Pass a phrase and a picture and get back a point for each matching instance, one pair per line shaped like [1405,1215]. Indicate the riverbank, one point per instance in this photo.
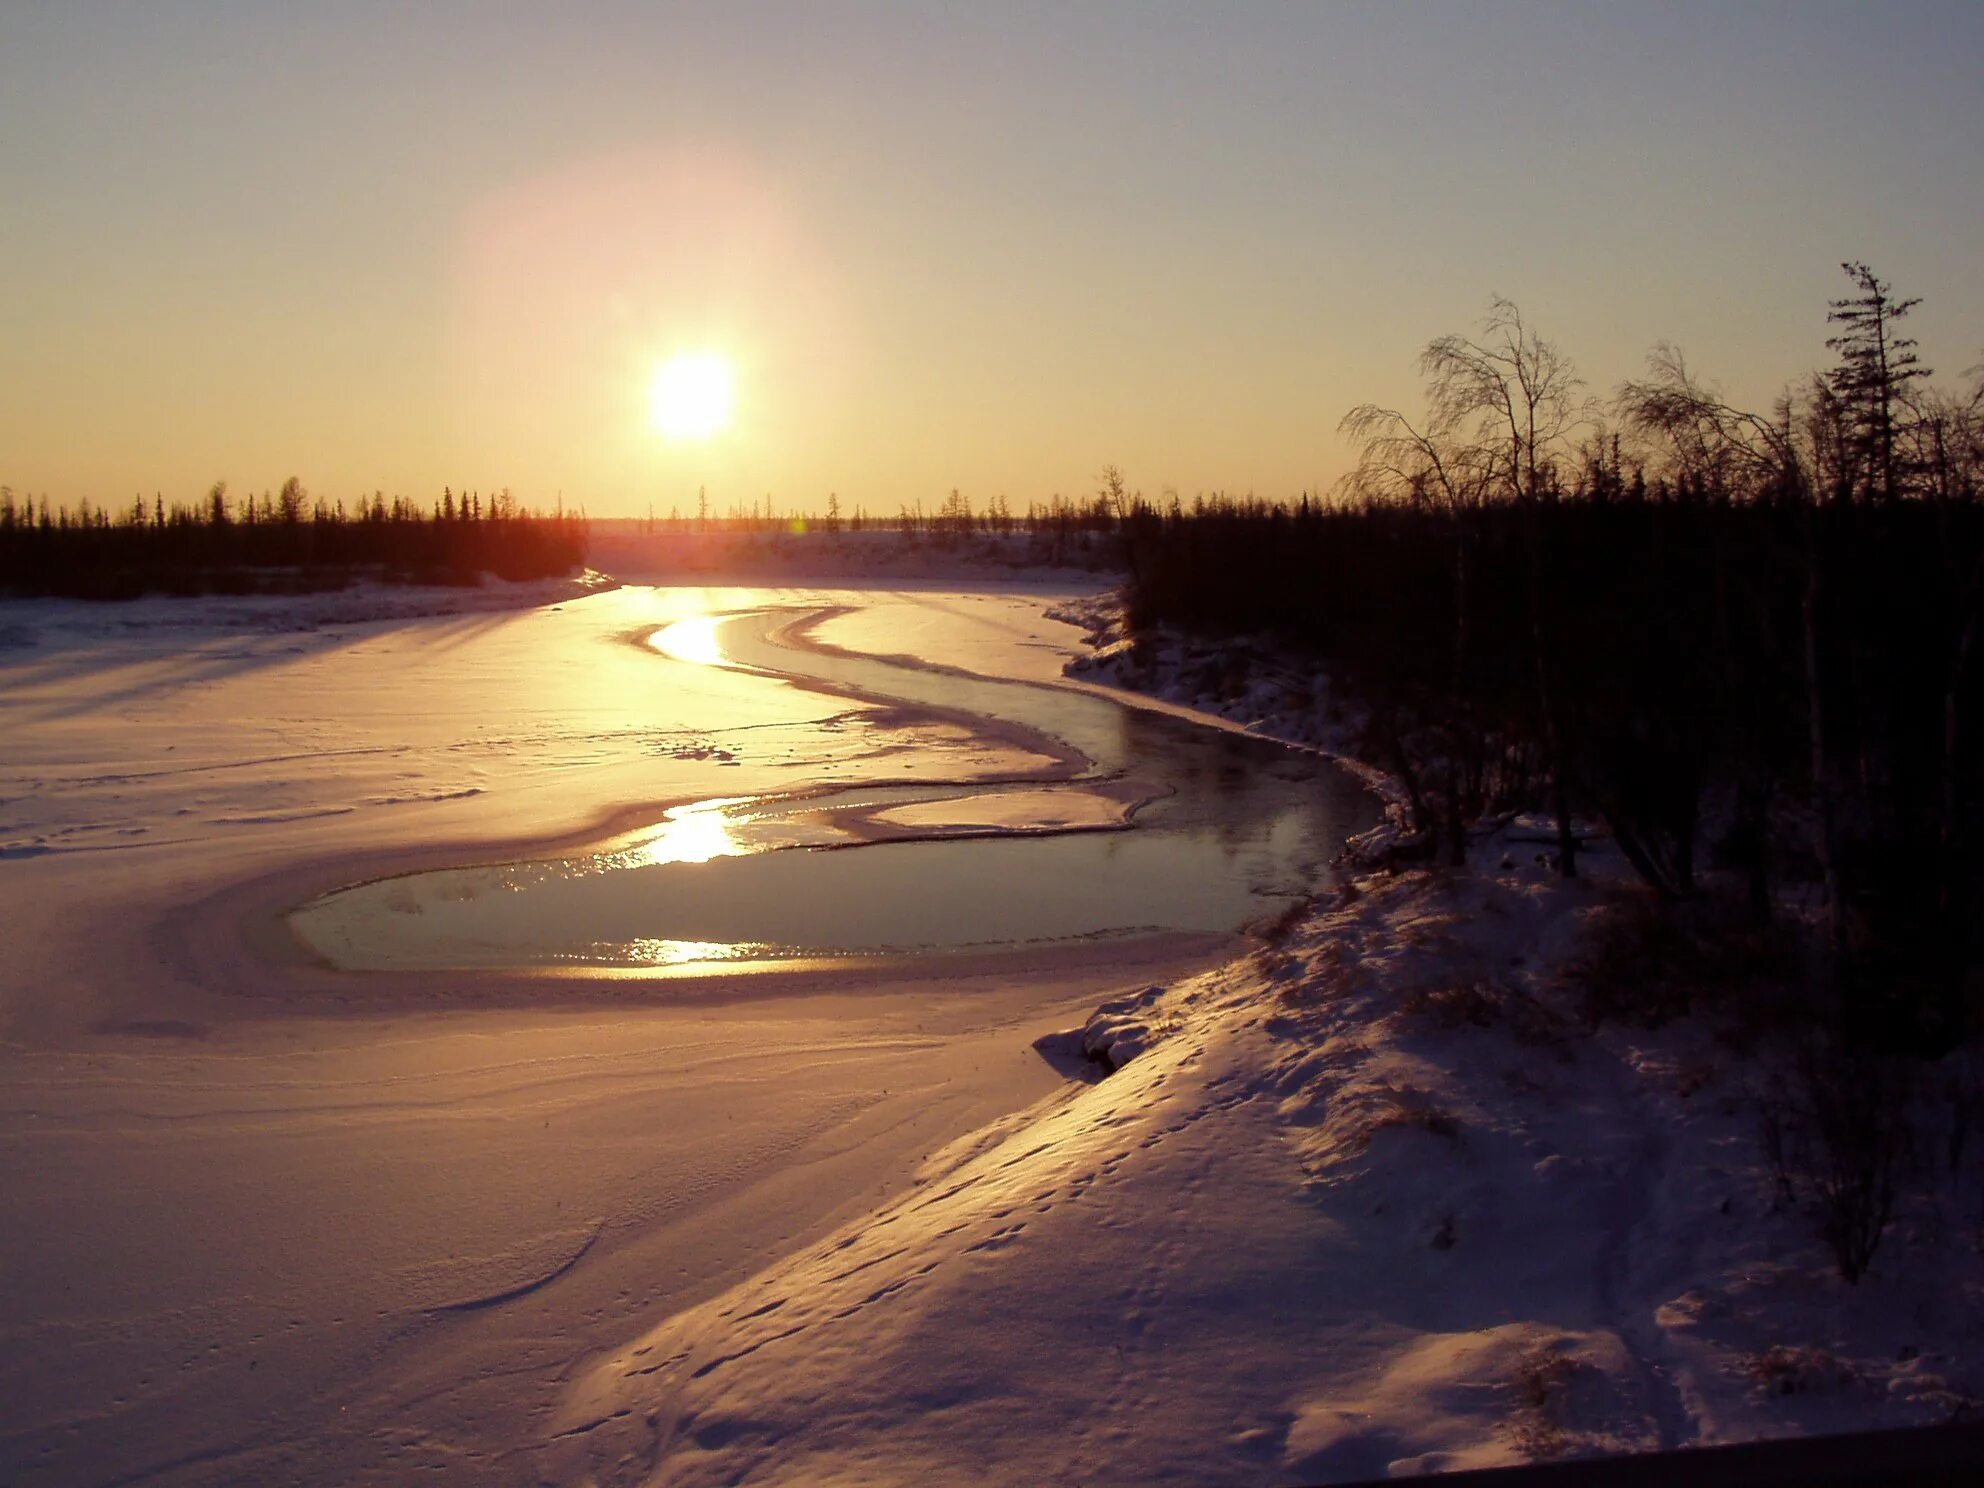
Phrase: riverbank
[1403,1192]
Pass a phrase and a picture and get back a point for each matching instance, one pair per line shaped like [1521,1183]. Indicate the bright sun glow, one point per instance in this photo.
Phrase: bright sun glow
[691,396]
[694,833]
[692,640]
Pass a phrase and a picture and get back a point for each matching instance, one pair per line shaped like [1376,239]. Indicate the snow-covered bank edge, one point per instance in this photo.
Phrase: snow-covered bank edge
[1385,1196]
[1244,685]
[21,620]
[1804,1332]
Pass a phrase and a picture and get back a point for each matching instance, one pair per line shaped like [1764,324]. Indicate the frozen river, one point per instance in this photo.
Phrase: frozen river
[1154,824]
[270,1221]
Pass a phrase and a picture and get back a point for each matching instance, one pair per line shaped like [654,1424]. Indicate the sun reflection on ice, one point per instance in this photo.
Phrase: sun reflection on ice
[692,640]
[694,833]
[652,952]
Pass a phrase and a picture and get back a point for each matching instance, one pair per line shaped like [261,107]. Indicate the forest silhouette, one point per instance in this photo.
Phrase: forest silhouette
[287,542]
[1744,639]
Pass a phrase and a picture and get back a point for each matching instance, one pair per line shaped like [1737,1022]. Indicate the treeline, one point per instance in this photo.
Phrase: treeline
[761,540]
[1742,639]
[954,517]
[287,541]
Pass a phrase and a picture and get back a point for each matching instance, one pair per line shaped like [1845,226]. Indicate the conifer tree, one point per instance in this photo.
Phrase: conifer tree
[1876,365]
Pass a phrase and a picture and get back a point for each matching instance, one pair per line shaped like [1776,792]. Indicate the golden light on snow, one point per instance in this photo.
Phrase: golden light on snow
[692,396]
[692,640]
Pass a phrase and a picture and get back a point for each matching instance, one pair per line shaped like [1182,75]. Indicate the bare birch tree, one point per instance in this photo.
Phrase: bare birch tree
[1502,411]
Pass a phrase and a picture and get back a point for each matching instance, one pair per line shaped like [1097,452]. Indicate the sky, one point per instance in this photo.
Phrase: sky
[984,247]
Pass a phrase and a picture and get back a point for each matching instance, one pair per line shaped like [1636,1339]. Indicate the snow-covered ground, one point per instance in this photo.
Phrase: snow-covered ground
[1377,1198]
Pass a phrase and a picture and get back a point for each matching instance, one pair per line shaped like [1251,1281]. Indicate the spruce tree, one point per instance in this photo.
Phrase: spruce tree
[1876,365]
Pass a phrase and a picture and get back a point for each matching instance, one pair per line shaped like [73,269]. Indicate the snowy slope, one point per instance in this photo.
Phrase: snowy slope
[1379,1199]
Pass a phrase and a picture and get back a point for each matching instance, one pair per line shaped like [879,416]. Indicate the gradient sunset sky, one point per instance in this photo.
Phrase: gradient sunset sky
[985,246]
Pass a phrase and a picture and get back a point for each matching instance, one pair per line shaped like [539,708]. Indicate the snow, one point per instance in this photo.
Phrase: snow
[1375,1200]
[1378,1197]
[1016,811]
[1262,1248]
[267,1223]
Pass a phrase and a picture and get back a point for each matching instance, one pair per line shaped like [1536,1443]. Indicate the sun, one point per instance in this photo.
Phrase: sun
[692,396]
